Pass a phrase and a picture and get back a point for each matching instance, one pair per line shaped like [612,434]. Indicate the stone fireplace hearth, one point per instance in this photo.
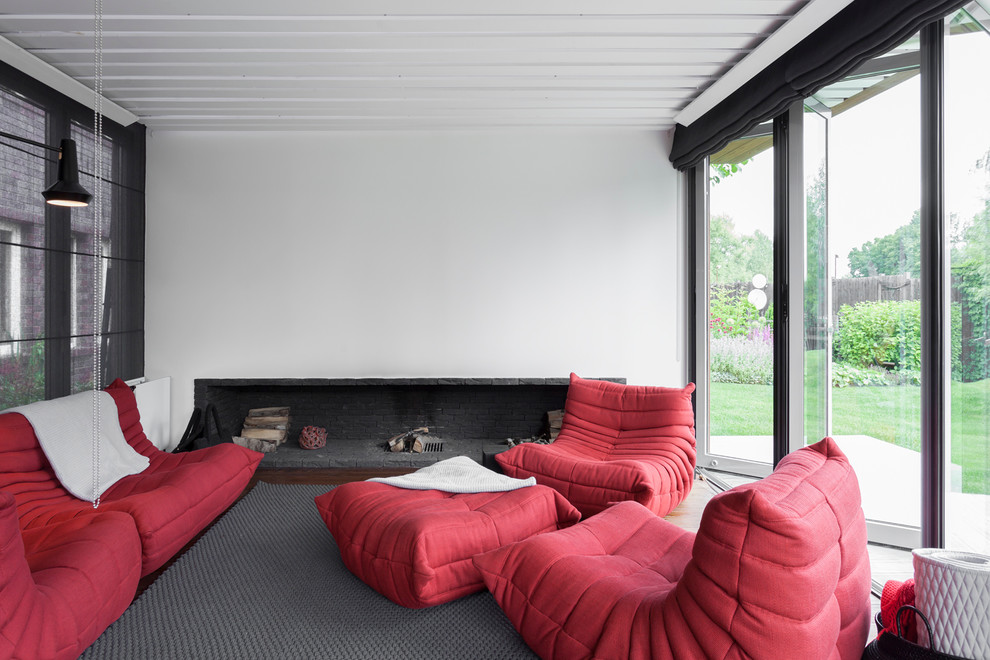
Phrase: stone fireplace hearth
[470,416]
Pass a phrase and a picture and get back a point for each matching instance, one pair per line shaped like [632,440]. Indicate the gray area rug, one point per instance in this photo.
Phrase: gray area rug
[267,582]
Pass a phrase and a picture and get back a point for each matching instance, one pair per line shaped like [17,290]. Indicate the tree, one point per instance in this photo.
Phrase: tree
[973,251]
[723,249]
[816,310]
[736,258]
[894,254]
[719,171]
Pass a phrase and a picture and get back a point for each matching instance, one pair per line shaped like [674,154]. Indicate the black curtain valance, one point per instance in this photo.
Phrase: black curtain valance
[864,29]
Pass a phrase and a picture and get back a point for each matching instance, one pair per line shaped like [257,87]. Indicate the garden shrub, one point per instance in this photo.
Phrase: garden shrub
[740,360]
[847,375]
[904,377]
[888,331]
[732,315]
[969,281]
[22,377]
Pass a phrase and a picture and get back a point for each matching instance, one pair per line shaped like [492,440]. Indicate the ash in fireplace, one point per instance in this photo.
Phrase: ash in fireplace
[551,429]
[416,441]
[536,439]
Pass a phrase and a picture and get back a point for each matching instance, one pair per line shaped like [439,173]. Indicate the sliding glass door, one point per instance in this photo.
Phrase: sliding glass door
[885,344]
[874,193]
[853,259]
[738,326]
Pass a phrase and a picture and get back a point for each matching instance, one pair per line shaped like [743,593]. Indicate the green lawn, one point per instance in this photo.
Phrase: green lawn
[892,414]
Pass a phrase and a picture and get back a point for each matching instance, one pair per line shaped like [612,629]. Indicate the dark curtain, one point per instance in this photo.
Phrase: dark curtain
[864,29]
[67,351]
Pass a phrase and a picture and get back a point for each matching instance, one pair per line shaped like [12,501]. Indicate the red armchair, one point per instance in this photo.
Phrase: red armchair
[62,584]
[616,443]
[778,569]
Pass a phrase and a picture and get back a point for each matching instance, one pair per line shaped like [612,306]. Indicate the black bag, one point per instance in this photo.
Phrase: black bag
[194,429]
[888,646]
[197,434]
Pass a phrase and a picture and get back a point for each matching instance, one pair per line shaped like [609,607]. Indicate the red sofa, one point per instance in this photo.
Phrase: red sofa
[68,570]
[778,569]
[617,442]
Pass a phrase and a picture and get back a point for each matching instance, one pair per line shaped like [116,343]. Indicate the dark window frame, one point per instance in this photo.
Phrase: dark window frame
[123,348]
[935,340]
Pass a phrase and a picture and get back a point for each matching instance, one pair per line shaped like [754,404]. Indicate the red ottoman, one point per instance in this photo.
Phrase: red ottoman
[415,546]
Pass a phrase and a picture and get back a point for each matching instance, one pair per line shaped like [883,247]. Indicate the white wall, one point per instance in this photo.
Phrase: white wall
[497,254]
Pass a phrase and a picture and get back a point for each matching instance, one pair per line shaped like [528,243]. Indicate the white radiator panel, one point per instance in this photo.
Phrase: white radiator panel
[154,403]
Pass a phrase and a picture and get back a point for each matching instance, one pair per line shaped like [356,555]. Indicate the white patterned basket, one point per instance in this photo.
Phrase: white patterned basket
[953,590]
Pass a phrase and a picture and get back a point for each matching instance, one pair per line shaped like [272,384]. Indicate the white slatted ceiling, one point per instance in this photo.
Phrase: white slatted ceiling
[385,64]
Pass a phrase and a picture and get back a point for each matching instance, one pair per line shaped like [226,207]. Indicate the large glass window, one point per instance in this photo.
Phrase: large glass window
[967,188]
[867,293]
[48,255]
[874,193]
[22,261]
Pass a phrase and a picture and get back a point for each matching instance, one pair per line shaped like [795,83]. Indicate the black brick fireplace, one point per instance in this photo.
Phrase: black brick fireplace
[472,416]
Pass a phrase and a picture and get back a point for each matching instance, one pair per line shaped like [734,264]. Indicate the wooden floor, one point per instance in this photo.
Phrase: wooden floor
[328,476]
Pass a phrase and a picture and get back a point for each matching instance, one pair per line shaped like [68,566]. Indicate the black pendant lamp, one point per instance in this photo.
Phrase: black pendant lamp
[66,190]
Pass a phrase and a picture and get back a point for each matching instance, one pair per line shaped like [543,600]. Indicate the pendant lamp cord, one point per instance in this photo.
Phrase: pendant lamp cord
[97,245]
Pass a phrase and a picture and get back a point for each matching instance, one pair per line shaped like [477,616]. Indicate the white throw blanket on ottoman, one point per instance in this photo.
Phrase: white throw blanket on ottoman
[457,475]
[64,428]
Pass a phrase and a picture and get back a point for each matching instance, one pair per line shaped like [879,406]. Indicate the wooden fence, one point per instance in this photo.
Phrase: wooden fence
[854,290]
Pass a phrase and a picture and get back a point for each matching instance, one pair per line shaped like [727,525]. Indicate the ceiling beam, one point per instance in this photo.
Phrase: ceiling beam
[874,90]
[806,21]
[45,73]
[592,8]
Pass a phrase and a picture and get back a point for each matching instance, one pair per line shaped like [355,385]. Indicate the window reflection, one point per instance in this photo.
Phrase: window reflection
[967,188]
[740,309]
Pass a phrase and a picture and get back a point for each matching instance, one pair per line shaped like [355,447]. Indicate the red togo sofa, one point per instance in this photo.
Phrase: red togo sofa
[617,442]
[67,570]
[777,569]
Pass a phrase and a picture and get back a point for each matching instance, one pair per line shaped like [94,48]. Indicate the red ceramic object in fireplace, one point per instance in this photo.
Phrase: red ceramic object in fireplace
[313,437]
